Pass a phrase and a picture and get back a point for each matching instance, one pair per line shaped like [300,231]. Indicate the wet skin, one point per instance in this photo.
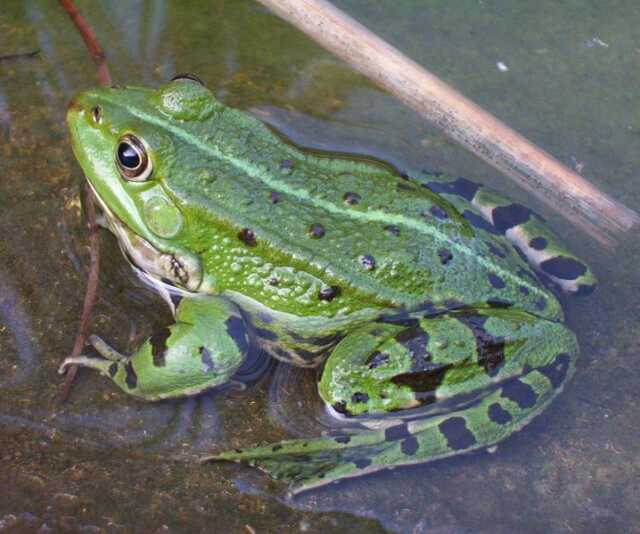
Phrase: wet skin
[424,299]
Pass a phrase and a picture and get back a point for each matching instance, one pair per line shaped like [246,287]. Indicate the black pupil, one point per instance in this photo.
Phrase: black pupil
[128,156]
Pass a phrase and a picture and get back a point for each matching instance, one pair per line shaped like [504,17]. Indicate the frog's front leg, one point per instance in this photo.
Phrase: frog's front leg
[204,348]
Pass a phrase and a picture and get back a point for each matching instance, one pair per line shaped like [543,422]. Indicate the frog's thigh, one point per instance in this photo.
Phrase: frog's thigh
[204,348]
[525,229]
[385,367]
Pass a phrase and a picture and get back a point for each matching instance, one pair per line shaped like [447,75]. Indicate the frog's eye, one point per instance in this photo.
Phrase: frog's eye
[188,76]
[132,159]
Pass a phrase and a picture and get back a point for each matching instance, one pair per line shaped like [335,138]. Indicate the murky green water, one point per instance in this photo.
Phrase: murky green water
[573,69]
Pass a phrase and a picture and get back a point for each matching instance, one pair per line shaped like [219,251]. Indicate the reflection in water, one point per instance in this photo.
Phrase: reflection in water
[48,49]
[13,317]
[295,405]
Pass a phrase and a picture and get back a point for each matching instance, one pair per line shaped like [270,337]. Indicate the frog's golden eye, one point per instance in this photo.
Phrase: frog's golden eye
[132,159]
[188,76]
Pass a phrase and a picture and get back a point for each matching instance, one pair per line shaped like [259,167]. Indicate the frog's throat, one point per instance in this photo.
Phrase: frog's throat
[182,271]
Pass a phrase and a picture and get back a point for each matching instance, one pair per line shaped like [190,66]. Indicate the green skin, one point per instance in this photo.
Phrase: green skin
[416,293]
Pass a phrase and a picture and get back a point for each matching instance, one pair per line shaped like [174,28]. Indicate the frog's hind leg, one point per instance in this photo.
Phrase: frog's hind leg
[525,229]
[513,366]
[204,348]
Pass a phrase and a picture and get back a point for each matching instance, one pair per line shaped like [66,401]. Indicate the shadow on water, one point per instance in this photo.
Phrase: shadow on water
[568,70]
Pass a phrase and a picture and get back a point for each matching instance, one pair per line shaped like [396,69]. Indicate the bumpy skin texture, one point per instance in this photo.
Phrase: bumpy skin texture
[415,291]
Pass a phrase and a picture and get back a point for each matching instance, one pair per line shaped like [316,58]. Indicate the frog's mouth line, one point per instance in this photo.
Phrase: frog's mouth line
[173,269]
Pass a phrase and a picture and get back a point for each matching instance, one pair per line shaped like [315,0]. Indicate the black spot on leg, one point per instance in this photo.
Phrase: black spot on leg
[341,407]
[495,281]
[238,332]
[205,356]
[556,371]
[131,378]
[158,342]
[519,392]
[113,369]
[490,349]
[455,431]
[506,217]
[425,381]
[342,439]
[415,340]
[538,243]
[478,222]
[176,298]
[397,432]
[563,267]
[498,414]
[409,446]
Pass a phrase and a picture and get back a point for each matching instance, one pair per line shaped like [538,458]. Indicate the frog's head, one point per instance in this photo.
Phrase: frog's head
[122,137]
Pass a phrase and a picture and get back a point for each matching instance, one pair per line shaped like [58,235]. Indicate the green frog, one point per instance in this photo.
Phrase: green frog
[419,297]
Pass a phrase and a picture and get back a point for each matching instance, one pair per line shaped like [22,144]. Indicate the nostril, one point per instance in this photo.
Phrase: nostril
[96,114]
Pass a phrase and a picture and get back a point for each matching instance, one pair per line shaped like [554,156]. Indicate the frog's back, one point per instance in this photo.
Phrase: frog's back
[369,235]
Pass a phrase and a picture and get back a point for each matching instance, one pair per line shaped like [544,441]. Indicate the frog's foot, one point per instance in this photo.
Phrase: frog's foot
[104,349]
[514,366]
[527,231]
[203,349]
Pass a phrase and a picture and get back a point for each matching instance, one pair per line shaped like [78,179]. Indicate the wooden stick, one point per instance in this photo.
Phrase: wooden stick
[480,132]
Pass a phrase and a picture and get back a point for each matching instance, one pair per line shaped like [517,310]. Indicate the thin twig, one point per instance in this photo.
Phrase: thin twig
[21,55]
[90,294]
[483,134]
[94,250]
[99,57]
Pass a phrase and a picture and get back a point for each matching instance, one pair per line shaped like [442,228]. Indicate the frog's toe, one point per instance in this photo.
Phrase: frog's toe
[84,361]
